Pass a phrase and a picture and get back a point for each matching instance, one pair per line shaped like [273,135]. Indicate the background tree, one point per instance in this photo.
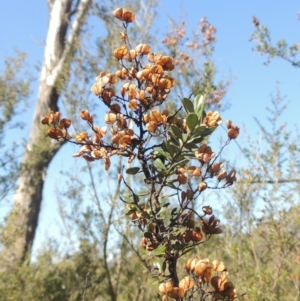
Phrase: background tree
[14,90]
[262,36]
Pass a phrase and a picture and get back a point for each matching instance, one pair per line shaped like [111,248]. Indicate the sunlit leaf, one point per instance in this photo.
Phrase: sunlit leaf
[161,210]
[163,153]
[159,251]
[188,105]
[199,104]
[159,164]
[132,210]
[191,121]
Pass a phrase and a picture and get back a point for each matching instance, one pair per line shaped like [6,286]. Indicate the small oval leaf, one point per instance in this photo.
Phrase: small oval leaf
[192,121]
[132,170]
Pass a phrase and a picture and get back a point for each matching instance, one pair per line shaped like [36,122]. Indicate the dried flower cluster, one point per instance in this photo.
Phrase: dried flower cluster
[200,274]
[166,150]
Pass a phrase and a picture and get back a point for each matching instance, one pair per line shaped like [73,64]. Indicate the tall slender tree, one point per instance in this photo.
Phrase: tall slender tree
[66,20]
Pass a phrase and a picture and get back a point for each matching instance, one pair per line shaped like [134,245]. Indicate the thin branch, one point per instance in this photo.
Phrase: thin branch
[280,181]
[134,250]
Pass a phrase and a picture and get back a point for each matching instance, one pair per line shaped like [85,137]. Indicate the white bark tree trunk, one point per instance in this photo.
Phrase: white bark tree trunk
[66,20]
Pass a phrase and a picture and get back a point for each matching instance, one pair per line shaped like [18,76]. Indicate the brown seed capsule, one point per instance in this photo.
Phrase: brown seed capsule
[228,124]
[182,179]
[176,293]
[189,194]
[181,170]
[187,236]
[215,168]
[233,132]
[45,120]
[207,210]
[197,172]
[118,13]
[202,186]
[230,178]
[200,267]
[222,175]
[197,236]
[55,133]
[128,16]
[186,283]
[214,281]
[151,126]
[191,169]
[218,265]
[165,287]
[120,52]
[191,264]
[110,118]
[183,196]
[115,108]
[64,123]
[207,275]
[144,242]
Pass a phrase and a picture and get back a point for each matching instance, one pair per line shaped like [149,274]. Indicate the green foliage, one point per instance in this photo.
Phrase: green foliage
[14,90]
[281,49]
[261,243]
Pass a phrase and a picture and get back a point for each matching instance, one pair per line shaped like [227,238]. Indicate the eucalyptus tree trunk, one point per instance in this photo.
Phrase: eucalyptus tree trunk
[65,23]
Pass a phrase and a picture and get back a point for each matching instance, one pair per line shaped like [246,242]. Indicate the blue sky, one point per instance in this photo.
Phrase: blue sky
[24,26]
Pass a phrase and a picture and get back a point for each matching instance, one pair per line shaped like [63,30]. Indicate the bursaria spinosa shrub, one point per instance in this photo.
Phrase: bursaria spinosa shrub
[172,156]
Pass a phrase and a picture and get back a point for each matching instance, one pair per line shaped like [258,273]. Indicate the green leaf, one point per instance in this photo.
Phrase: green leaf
[179,246]
[171,186]
[136,198]
[128,199]
[148,234]
[171,148]
[174,211]
[163,266]
[159,251]
[143,193]
[155,282]
[181,163]
[187,250]
[163,153]
[159,164]
[188,105]
[194,140]
[132,210]
[161,211]
[175,132]
[199,130]
[199,104]
[132,170]
[192,121]
[208,131]
[198,140]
